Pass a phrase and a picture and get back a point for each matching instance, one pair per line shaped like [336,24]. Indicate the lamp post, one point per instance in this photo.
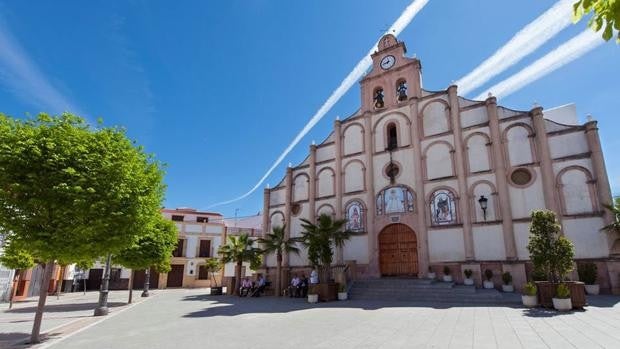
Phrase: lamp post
[147,282]
[483,205]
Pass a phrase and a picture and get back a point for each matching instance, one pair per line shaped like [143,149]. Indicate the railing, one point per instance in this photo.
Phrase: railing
[240,231]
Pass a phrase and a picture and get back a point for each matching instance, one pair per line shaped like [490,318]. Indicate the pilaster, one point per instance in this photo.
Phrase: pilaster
[312,185]
[546,163]
[287,210]
[461,173]
[373,252]
[598,165]
[266,227]
[501,180]
[338,178]
[421,229]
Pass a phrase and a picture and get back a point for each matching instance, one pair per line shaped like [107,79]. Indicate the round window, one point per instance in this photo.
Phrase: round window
[521,176]
[392,171]
[295,209]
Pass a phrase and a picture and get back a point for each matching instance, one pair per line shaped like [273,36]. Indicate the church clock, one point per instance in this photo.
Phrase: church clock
[387,62]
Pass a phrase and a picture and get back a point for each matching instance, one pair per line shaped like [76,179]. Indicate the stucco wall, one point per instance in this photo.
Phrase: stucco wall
[489,242]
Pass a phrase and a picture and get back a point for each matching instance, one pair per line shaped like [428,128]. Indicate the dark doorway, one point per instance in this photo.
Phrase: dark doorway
[175,276]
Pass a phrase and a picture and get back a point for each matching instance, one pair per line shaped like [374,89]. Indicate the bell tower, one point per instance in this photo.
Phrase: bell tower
[394,78]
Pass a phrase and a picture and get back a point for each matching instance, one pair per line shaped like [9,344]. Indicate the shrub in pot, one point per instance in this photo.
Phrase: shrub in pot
[313,294]
[431,273]
[469,281]
[488,283]
[588,274]
[342,292]
[561,300]
[446,274]
[529,297]
[507,279]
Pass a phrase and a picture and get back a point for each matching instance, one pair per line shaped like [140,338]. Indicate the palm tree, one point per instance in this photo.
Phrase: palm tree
[614,210]
[276,242]
[239,249]
[318,239]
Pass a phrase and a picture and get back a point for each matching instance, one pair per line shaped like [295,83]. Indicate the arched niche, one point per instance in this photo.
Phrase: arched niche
[439,160]
[486,189]
[435,116]
[518,144]
[354,176]
[443,206]
[577,190]
[325,182]
[353,139]
[478,152]
[301,187]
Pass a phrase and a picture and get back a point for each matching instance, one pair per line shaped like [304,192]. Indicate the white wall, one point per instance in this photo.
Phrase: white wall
[446,245]
[489,242]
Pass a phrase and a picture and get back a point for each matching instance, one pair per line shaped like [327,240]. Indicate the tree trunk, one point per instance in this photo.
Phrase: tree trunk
[147,282]
[102,308]
[59,283]
[237,277]
[38,317]
[84,282]
[16,280]
[130,287]
[279,276]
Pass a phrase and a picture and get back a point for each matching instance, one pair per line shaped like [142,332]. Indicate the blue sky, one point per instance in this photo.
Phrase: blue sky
[218,89]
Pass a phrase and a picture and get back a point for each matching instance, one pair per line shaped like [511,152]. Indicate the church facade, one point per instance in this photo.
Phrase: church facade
[431,179]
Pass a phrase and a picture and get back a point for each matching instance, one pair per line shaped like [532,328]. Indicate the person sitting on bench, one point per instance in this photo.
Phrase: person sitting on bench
[303,286]
[293,289]
[259,286]
[246,286]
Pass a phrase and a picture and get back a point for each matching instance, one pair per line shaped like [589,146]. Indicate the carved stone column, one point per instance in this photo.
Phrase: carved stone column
[461,173]
[501,180]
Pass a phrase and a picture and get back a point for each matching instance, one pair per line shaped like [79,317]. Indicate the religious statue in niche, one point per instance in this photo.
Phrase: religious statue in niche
[402,91]
[379,99]
[355,216]
[443,208]
[396,199]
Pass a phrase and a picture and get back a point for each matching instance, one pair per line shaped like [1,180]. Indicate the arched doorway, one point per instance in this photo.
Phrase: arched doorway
[398,251]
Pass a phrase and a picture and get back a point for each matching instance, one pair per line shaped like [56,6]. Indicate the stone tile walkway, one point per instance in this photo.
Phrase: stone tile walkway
[192,319]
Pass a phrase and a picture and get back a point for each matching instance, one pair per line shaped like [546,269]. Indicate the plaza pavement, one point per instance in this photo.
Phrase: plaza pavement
[192,319]
[62,316]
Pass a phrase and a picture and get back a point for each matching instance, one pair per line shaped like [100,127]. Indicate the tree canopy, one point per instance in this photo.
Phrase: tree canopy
[153,248]
[14,257]
[69,192]
[606,16]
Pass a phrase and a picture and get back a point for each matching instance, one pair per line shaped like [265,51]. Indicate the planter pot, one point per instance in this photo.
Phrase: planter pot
[431,275]
[342,296]
[468,281]
[592,289]
[447,278]
[508,288]
[488,284]
[562,304]
[313,298]
[529,301]
[327,291]
[546,291]
[216,291]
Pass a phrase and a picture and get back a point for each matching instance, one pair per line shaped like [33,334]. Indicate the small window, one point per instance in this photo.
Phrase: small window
[392,171]
[178,252]
[202,219]
[392,142]
[177,218]
[521,176]
[205,248]
[203,274]
[295,209]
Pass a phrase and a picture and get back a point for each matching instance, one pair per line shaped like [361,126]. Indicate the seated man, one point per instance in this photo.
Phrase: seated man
[246,286]
[293,289]
[259,286]
[303,286]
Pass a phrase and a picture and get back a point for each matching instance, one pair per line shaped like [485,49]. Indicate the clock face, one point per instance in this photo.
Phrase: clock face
[387,62]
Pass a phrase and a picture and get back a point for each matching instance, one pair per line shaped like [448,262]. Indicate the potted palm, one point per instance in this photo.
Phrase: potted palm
[212,266]
[469,281]
[239,249]
[507,279]
[313,293]
[561,300]
[431,274]
[342,292]
[488,283]
[277,242]
[529,297]
[588,274]
[446,274]
[320,240]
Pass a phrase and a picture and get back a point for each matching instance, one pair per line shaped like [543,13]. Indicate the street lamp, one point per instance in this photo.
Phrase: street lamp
[483,205]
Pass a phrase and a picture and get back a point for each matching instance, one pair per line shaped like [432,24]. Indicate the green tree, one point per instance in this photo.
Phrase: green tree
[16,258]
[550,252]
[213,265]
[606,16]
[69,192]
[319,240]
[614,210]
[239,249]
[277,242]
[153,248]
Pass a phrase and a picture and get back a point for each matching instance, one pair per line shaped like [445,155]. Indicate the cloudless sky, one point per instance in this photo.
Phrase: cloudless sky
[217,89]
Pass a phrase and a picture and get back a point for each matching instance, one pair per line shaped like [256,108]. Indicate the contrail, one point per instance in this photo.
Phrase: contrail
[563,54]
[524,42]
[403,21]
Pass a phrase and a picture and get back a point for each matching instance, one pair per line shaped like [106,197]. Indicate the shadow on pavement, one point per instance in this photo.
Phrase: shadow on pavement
[64,307]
